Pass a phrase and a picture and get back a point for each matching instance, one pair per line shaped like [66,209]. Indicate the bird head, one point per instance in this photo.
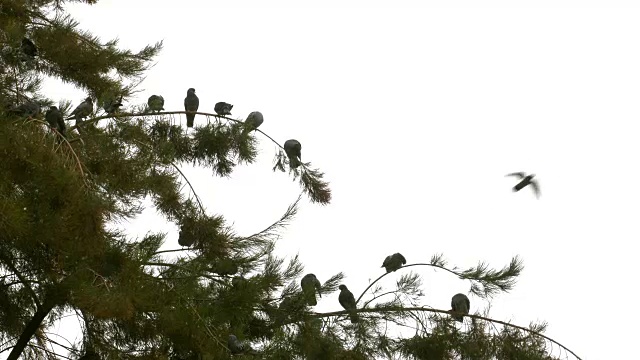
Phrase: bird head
[191,91]
[88,99]
[342,287]
[53,108]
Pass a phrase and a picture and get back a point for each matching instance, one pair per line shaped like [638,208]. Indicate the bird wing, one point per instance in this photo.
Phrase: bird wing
[536,188]
[520,175]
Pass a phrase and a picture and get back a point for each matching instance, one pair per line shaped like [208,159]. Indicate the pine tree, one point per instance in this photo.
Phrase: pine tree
[60,254]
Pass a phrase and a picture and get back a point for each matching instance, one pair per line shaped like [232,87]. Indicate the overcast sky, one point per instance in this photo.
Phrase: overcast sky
[416,113]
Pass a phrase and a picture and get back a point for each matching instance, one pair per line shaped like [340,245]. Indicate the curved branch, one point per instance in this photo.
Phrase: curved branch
[394,309]
[98,118]
[459,275]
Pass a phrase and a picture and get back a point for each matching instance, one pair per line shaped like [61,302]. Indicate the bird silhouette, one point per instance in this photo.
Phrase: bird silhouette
[526,180]
[460,305]
[191,104]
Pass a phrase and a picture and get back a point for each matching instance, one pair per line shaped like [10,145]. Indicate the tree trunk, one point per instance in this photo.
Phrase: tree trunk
[31,328]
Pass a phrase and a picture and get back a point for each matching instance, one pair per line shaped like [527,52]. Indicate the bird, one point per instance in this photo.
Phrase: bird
[111,105]
[55,119]
[222,108]
[191,103]
[156,103]
[293,149]
[83,110]
[253,121]
[348,302]
[526,180]
[29,48]
[224,266]
[185,238]
[28,109]
[310,284]
[460,304]
[235,345]
[393,262]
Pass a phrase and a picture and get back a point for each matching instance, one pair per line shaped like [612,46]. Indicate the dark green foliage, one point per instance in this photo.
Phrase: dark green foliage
[65,251]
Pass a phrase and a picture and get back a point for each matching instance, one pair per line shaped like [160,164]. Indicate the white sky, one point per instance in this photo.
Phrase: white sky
[415,113]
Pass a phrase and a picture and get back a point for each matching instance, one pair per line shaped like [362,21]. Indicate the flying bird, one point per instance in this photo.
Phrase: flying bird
[293,149]
[348,302]
[460,304]
[191,103]
[526,180]
[111,105]
[393,262]
[55,119]
[29,48]
[156,103]
[83,110]
[222,108]
[310,285]
[253,121]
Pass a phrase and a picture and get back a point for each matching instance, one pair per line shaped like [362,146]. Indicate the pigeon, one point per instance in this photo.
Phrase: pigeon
[28,48]
[393,262]
[526,180]
[111,105]
[29,109]
[185,238]
[222,108]
[191,103]
[55,119]
[254,120]
[83,110]
[460,304]
[293,150]
[224,266]
[310,284]
[348,302]
[235,345]
[156,103]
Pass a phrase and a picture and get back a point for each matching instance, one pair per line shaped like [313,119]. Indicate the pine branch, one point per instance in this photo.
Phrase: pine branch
[492,281]
[446,312]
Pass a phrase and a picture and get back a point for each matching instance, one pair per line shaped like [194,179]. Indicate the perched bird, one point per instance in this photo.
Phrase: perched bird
[222,108]
[156,103]
[111,105]
[235,345]
[191,103]
[348,302]
[28,48]
[55,119]
[393,262]
[28,109]
[254,120]
[224,266]
[185,238]
[460,304]
[293,149]
[83,110]
[310,284]
[526,180]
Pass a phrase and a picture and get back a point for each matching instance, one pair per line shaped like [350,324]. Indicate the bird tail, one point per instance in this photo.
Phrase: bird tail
[294,162]
[455,315]
[354,317]
[190,118]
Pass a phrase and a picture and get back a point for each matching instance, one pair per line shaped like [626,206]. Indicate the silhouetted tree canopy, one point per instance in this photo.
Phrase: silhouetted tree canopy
[64,251]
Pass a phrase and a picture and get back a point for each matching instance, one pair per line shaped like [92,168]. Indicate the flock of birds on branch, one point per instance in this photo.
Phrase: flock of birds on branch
[311,287]
[56,121]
